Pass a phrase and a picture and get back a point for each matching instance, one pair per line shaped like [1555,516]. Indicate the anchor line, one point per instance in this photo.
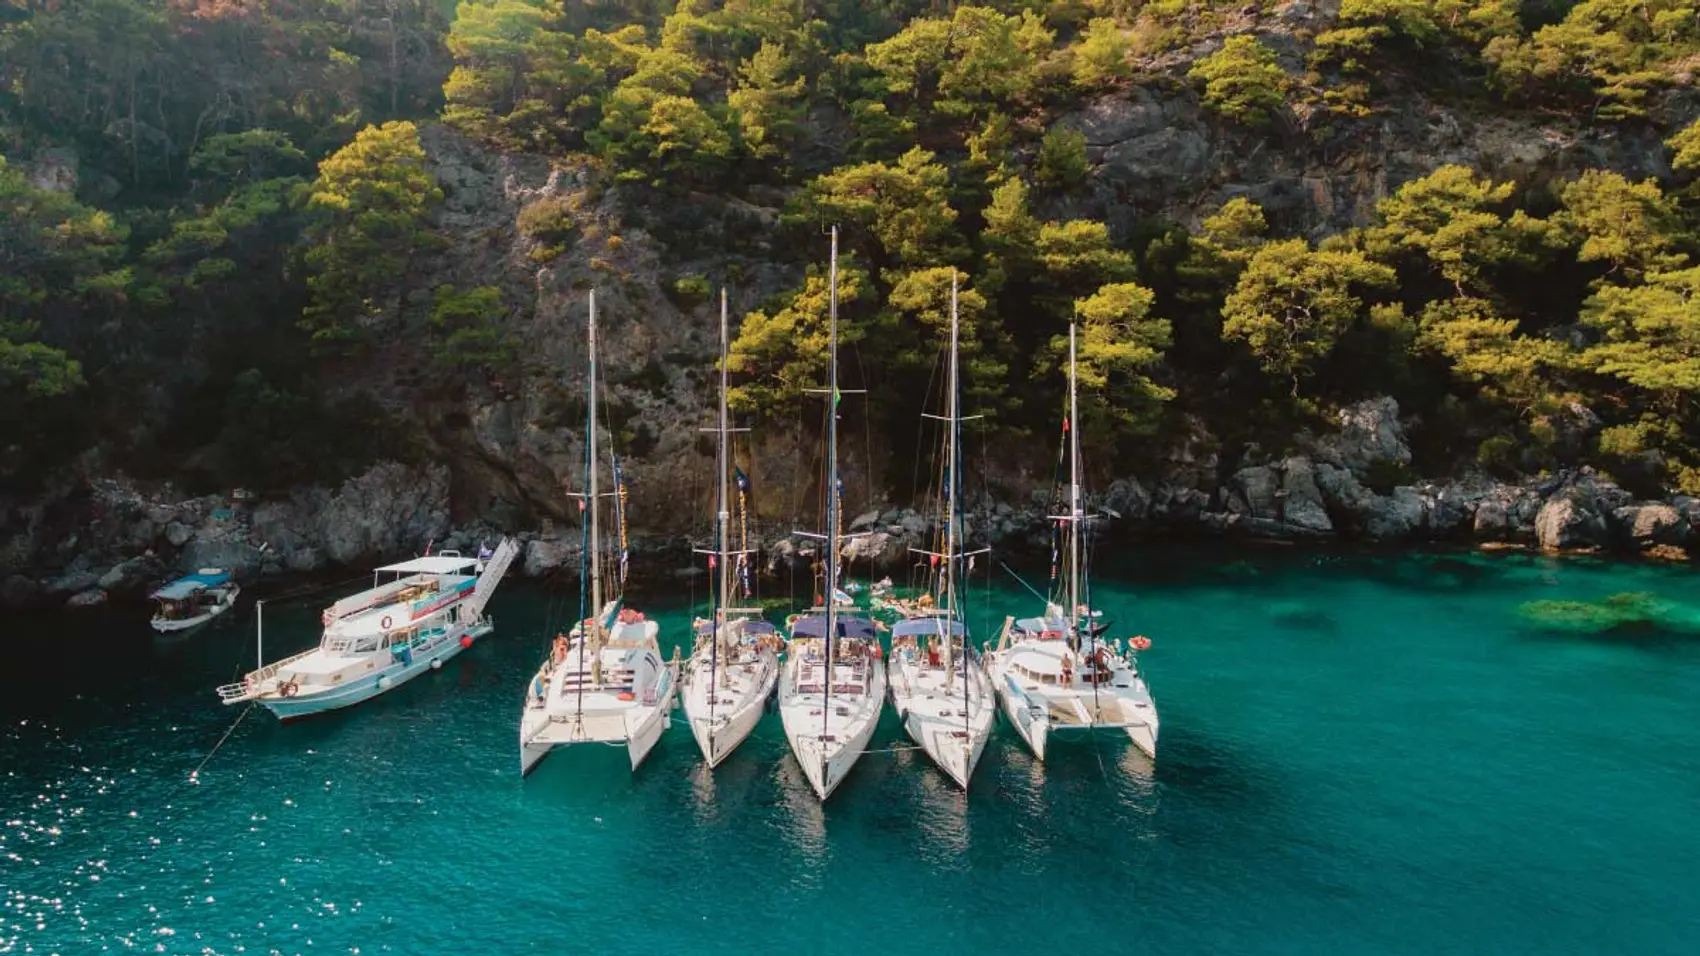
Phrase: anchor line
[194,775]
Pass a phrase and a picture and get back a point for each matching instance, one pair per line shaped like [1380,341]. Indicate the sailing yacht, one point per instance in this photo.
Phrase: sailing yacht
[1051,673]
[833,684]
[605,681]
[735,664]
[937,684]
[430,609]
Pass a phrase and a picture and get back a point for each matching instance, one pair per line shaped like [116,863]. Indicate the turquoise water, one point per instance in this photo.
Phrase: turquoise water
[1360,754]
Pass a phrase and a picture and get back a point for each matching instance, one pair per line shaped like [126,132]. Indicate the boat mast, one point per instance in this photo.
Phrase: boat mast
[1074,515]
[952,416]
[259,634]
[831,486]
[723,514]
[595,530]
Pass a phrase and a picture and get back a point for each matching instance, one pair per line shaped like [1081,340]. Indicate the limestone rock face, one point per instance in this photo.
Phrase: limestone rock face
[1370,434]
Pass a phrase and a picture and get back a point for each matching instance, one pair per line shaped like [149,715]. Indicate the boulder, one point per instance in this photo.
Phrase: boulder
[877,548]
[72,582]
[178,533]
[1566,522]
[1451,509]
[1349,504]
[127,576]
[1649,525]
[1370,434]
[1128,499]
[1303,507]
[94,597]
[865,520]
[1398,515]
[1492,518]
[914,524]
[1254,492]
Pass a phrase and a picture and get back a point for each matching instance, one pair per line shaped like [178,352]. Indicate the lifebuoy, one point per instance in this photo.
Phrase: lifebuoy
[385,623]
[287,689]
[1140,642]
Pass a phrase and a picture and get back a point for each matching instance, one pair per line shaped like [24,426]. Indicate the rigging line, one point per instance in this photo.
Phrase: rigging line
[195,774]
[1019,578]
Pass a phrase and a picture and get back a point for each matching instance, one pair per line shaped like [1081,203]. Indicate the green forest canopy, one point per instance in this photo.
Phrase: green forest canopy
[254,184]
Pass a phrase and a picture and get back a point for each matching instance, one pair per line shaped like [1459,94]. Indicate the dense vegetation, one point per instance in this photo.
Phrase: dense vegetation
[1528,324]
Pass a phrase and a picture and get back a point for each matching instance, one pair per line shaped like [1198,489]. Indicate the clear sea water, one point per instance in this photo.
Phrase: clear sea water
[1360,754]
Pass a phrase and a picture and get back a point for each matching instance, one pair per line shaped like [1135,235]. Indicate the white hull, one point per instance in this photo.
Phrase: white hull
[827,745]
[951,732]
[1120,704]
[626,705]
[381,674]
[638,730]
[721,718]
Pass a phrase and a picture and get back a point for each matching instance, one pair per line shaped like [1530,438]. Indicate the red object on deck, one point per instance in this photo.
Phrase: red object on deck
[466,640]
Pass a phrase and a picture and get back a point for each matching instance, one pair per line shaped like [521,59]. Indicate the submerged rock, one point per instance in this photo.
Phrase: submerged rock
[1623,610]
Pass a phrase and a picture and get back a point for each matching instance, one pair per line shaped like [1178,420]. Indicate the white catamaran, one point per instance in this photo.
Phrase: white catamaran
[1052,673]
[429,611]
[194,599]
[833,684]
[605,682]
[735,664]
[937,685]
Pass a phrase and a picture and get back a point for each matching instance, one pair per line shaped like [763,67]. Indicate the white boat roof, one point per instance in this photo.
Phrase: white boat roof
[439,564]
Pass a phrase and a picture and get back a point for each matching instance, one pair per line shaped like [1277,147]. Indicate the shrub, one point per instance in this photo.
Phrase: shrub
[690,291]
[1242,81]
[1062,158]
[548,220]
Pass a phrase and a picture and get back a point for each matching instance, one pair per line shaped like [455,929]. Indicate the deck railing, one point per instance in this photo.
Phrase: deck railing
[256,680]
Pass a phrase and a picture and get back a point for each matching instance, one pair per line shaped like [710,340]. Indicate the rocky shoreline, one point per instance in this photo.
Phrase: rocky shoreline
[115,542]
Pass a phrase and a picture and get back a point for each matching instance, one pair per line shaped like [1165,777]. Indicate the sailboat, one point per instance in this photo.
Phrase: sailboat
[1052,673]
[735,664]
[604,682]
[833,684]
[937,684]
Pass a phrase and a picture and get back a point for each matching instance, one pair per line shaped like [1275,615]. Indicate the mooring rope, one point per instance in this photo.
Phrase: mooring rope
[195,774]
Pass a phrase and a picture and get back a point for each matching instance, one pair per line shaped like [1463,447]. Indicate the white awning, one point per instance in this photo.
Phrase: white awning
[434,565]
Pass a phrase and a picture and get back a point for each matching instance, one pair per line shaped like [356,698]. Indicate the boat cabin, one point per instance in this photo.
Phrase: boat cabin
[192,595]
[417,590]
